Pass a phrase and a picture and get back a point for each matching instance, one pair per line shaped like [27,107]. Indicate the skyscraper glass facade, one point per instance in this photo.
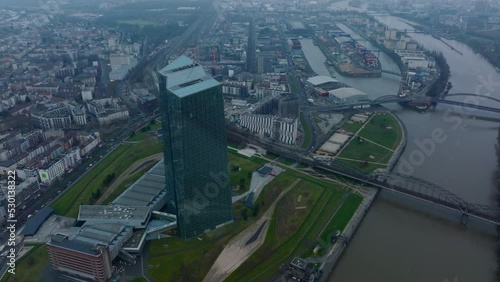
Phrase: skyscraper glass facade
[195,148]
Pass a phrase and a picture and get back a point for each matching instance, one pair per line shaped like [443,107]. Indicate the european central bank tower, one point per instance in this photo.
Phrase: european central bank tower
[194,148]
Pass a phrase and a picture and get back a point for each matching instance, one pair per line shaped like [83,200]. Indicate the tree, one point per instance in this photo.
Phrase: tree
[132,134]
[242,183]
[244,213]
[152,121]
[256,210]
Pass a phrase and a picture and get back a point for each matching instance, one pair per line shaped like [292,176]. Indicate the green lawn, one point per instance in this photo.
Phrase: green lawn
[137,136]
[186,261]
[363,150]
[351,126]
[140,135]
[190,260]
[384,130]
[306,138]
[286,161]
[321,201]
[271,156]
[31,263]
[116,162]
[302,165]
[125,184]
[298,220]
[241,169]
[367,168]
[342,217]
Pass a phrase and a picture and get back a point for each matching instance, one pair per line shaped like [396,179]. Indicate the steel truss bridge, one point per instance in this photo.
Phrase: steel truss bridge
[408,185]
[420,189]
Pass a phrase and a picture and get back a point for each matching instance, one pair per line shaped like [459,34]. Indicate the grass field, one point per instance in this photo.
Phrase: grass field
[190,260]
[140,135]
[352,127]
[296,225]
[306,139]
[271,156]
[302,165]
[367,168]
[385,134]
[30,263]
[240,170]
[365,151]
[286,161]
[285,239]
[185,260]
[342,217]
[125,184]
[383,129]
[116,162]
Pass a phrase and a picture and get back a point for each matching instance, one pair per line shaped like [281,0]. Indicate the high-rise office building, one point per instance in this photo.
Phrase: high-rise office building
[195,148]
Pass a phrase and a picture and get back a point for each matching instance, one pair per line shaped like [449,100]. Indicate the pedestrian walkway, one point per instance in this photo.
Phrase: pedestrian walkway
[237,251]
[377,144]
[360,161]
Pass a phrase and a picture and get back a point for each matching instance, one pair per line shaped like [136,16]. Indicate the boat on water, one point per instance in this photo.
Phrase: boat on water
[498,69]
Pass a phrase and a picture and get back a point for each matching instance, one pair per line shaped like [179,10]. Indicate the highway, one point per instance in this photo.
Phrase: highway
[48,194]
[149,65]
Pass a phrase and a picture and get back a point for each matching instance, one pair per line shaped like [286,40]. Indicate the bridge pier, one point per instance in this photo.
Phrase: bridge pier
[464,219]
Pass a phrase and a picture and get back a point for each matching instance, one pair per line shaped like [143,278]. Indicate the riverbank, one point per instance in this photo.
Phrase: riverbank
[420,81]
[371,193]
[479,44]
[497,192]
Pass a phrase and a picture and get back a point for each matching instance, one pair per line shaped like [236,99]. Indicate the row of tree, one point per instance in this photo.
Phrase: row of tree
[441,83]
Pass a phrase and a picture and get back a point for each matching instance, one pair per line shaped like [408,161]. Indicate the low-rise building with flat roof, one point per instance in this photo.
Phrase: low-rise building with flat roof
[135,216]
[347,95]
[90,252]
[148,191]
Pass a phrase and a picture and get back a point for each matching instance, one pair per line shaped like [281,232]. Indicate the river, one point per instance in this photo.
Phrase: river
[397,243]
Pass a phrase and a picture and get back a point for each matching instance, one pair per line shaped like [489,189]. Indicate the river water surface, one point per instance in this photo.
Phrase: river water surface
[396,243]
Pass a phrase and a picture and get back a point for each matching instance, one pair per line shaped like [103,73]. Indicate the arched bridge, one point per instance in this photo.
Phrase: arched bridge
[396,99]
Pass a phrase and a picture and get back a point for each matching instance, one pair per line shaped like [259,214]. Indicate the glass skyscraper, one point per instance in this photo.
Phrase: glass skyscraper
[195,148]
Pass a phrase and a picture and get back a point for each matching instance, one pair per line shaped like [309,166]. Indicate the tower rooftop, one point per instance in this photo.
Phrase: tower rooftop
[185,77]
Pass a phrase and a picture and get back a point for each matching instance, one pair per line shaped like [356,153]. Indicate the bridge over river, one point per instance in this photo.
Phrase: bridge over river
[408,185]
[473,103]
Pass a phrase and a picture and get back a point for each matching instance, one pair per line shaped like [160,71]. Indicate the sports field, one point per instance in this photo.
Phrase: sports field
[373,144]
